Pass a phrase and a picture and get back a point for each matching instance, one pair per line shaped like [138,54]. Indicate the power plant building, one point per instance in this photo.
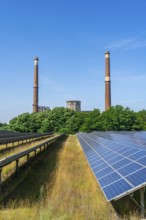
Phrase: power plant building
[43,108]
[74,105]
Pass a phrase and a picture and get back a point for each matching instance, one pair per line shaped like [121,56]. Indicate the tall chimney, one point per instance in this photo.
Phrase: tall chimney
[107,81]
[35,87]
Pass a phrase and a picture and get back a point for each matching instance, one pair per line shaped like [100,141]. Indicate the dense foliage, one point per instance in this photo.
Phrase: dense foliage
[64,120]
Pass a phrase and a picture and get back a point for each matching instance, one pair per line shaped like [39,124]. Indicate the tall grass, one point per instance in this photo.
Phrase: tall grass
[75,192]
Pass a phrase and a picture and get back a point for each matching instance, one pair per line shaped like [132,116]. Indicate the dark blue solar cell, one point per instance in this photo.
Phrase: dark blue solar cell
[104,172]
[94,157]
[127,170]
[115,159]
[129,152]
[91,153]
[101,150]
[105,153]
[94,163]
[110,178]
[99,167]
[137,155]
[138,177]
[116,189]
[98,161]
[121,163]
[111,155]
[142,161]
[122,150]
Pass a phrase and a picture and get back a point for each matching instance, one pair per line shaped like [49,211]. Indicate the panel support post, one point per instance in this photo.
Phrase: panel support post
[0,178]
[142,201]
[17,166]
[27,158]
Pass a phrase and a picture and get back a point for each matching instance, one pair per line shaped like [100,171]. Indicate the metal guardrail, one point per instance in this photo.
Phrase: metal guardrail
[16,157]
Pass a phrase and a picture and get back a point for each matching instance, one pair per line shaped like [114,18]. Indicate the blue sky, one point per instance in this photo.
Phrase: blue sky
[70,38]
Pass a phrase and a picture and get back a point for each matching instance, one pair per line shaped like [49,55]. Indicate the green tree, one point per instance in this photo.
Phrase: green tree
[141,117]
[118,118]
[64,120]
[56,119]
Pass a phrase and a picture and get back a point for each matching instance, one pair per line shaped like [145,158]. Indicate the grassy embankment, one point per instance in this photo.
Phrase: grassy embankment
[59,185]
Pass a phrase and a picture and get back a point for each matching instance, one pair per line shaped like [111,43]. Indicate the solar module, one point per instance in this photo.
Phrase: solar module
[117,159]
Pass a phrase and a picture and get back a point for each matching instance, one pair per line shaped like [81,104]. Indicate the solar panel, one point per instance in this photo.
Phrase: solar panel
[117,159]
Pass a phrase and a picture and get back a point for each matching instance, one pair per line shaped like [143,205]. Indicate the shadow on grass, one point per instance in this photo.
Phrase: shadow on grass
[31,181]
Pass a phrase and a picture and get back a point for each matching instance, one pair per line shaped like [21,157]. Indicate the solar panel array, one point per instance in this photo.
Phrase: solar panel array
[9,137]
[117,159]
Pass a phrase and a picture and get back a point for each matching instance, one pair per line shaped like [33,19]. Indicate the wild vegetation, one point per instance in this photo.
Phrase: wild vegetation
[64,120]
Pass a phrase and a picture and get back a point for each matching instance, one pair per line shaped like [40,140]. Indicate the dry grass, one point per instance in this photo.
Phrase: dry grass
[75,193]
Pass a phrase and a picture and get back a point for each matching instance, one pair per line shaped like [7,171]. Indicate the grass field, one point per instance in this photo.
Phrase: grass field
[57,186]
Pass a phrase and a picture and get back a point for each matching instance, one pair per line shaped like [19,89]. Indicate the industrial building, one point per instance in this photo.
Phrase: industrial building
[43,108]
[74,105]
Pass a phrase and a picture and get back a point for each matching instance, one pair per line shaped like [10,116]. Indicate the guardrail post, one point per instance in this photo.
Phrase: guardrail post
[35,153]
[17,166]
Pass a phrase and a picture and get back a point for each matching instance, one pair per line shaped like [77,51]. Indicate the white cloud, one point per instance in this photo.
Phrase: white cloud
[120,44]
[136,45]
[127,44]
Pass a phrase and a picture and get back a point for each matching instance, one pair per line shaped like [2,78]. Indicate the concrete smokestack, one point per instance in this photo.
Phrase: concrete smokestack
[35,87]
[107,81]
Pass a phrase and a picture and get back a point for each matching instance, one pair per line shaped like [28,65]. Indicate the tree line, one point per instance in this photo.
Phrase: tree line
[63,120]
